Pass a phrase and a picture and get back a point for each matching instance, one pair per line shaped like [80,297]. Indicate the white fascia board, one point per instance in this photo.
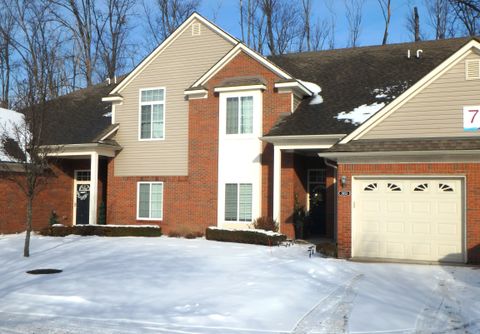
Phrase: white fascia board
[294,86]
[399,153]
[112,99]
[239,88]
[412,91]
[83,149]
[195,92]
[110,133]
[230,55]
[314,141]
[167,42]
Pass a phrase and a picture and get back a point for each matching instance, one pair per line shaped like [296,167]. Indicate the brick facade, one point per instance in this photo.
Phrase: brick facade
[472,183]
[56,193]
[190,202]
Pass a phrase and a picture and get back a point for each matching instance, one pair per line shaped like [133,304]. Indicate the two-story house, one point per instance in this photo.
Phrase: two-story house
[380,145]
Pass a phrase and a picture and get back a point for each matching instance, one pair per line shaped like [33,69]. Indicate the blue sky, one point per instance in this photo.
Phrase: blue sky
[372,25]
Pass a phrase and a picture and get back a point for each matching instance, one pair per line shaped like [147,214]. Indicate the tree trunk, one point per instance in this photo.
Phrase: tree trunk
[417,24]
[26,248]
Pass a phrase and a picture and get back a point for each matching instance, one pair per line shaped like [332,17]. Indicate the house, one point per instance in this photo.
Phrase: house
[379,144]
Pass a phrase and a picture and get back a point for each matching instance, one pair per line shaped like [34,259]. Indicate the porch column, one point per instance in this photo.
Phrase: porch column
[93,188]
[277,180]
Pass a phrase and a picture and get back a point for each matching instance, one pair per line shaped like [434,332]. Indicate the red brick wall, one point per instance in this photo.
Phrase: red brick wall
[190,202]
[470,170]
[55,194]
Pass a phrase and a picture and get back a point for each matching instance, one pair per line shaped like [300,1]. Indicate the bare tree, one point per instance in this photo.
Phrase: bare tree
[413,24]
[7,32]
[468,12]
[385,6]
[305,37]
[354,14]
[439,16]
[167,15]
[332,24]
[37,46]
[112,31]
[321,32]
[268,7]
[80,21]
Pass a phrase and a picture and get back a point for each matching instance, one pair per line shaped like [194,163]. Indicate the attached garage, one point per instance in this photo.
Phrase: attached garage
[408,218]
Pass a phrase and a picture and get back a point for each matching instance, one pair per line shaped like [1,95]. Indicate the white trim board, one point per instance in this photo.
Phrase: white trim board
[166,43]
[411,92]
[231,55]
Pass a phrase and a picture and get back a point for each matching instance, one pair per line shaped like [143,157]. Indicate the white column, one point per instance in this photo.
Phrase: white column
[277,181]
[93,188]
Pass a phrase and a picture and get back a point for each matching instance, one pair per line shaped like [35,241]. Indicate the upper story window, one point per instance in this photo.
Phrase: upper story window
[152,113]
[239,115]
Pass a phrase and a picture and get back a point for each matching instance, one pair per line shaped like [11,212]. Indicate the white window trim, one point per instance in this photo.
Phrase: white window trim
[150,202]
[140,103]
[223,108]
[238,204]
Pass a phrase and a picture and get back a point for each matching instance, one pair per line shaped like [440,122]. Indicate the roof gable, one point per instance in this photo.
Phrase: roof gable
[166,43]
[413,91]
[355,79]
[240,47]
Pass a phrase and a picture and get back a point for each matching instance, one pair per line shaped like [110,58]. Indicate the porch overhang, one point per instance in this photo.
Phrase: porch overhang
[296,142]
[92,151]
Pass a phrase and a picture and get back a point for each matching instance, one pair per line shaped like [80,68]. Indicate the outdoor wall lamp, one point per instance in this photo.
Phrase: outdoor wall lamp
[343,181]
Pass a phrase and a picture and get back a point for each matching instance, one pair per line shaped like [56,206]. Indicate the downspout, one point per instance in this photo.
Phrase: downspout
[335,196]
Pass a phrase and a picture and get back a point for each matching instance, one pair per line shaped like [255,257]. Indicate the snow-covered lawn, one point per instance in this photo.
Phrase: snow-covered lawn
[168,285]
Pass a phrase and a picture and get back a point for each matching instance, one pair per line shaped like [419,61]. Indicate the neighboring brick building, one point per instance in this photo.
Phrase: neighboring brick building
[383,157]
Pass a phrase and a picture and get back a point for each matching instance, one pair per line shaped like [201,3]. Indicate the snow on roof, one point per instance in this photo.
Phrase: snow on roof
[360,114]
[8,120]
[315,89]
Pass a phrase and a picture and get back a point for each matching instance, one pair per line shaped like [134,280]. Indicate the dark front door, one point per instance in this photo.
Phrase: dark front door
[83,203]
[317,209]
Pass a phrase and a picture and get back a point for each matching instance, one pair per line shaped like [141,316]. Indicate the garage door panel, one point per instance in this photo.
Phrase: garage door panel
[417,219]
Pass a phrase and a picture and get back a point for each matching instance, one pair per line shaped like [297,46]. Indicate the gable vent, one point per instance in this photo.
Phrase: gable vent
[472,69]
[196,29]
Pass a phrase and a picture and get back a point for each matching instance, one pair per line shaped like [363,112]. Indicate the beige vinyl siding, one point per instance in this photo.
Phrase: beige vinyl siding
[176,68]
[296,102]
[437,111]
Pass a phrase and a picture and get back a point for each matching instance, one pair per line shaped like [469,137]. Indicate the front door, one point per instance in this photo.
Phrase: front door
[317,201]
[82,197]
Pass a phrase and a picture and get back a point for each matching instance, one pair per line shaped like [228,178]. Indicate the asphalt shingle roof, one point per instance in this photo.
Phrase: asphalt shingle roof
[350,78]
[79,117]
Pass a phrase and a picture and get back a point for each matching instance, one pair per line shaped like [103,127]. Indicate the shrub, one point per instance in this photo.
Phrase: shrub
[194,235]
[53,218]
[103,230]
[255,237]
[265,223]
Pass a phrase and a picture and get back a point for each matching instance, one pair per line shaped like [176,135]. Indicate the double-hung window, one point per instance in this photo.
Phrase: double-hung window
[240,115]
[150,200]
[152,113]
[238,202]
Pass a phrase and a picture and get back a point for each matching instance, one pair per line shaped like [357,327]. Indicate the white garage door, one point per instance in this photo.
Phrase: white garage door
[406,218]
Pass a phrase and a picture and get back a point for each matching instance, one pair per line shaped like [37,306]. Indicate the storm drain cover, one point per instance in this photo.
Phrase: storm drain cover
[44,271]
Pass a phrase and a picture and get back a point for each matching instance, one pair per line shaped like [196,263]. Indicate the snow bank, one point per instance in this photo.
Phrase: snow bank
[269,233]
[8,120]
[360,114]
[316,89]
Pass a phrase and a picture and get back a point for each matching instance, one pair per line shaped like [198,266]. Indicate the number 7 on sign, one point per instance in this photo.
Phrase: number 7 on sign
[470,120]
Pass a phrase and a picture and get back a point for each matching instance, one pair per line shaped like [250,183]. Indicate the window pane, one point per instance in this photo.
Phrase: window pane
[146,131]
[157,121]
[152,95]
[231,202]
[247,115]
[232,115]
[245,205]
[144,201]
[157,199]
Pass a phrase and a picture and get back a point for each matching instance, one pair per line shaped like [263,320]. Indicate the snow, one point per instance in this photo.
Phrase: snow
[170,285]
[315,89]
[360,114]
[8,120]
[269,233]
